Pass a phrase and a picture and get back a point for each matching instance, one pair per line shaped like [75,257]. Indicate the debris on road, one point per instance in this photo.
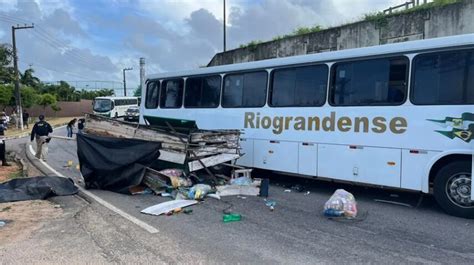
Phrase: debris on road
[270,204]
[169,206]
[231,217]
[36,188]
[341,204]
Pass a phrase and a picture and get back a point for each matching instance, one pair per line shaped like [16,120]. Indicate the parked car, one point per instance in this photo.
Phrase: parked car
[132,114]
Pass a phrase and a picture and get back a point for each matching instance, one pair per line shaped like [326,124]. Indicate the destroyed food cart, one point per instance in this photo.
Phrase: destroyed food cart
[186,148]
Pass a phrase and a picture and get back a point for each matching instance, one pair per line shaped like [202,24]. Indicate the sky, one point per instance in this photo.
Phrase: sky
[88,40]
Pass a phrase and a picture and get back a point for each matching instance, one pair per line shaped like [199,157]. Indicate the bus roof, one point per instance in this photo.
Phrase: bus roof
[395,48]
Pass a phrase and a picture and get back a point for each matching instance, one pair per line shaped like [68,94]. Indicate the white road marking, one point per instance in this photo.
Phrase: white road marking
[104,203]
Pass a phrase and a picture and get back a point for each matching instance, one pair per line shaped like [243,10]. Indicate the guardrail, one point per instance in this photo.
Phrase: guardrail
[406,5]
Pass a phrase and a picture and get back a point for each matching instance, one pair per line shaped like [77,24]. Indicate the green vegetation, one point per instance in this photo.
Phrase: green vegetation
[379,18]
[33,91]
[296,32]
[138,91]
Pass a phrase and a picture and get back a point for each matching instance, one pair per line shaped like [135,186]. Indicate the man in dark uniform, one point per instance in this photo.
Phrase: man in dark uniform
[41,130]
[2,144]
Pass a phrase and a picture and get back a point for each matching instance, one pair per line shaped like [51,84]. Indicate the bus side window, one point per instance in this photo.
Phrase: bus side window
[369,82]
[172,93]
[245,90]
[299,86]
[202,92]
[152,91]
[443,78]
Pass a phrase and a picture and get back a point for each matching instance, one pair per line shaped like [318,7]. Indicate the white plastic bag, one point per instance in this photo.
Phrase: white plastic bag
[341,203]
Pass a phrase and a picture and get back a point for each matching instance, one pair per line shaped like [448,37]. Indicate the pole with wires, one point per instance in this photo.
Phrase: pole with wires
[125,81]
[16,73]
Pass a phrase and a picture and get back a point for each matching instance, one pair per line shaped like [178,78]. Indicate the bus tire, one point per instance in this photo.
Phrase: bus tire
[116,115]
[452,189]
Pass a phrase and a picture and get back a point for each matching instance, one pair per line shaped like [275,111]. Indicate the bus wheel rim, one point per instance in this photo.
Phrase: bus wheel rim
[458,189]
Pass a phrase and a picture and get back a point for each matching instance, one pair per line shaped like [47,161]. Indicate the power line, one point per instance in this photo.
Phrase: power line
[52,41]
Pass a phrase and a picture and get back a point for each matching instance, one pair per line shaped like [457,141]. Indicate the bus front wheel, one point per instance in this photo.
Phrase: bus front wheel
[116,115]
[452,189]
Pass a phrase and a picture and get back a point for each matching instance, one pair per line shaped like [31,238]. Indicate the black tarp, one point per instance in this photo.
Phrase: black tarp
[36,188]
[114,164]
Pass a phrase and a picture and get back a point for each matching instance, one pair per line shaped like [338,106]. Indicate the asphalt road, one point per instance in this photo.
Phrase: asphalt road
[296,231]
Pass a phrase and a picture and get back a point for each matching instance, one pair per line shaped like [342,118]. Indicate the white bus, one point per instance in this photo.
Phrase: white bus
[396,115]
[113,107]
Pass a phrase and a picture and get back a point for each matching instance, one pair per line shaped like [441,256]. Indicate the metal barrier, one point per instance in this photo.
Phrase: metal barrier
[406,5]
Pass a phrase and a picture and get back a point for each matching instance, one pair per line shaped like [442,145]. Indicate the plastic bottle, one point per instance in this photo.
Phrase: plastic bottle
[232,217]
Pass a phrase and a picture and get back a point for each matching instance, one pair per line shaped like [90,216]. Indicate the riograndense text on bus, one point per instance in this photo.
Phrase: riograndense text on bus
[331,123]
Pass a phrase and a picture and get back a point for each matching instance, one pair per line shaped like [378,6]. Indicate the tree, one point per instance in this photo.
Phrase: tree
[138,91]
[29,97]
[6,70]
[47,99]
[6,94]
[28,79]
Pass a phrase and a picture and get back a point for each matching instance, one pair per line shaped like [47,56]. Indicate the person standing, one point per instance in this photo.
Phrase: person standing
[80,126]
[26,118]
[3,156]
[41,131]
[70,127]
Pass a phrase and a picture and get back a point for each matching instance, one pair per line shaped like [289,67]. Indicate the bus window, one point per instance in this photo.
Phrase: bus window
[299,86]
[172,93]
[369,82]
[443,78]
[244,90]
[152,91]
[202,92]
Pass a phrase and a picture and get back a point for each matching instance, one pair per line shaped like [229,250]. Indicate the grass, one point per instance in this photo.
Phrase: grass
[12,131]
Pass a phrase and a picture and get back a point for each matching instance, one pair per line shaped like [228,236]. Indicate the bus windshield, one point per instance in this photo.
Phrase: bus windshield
[102,105]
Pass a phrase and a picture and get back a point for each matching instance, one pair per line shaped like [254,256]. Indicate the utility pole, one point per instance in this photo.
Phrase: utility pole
[224,28]
[16,73]
[142,73]
[125,81]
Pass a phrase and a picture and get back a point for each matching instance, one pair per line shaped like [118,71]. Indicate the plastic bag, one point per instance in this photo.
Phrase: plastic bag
[199,191]
[242,181]
[341,203]
[177,178]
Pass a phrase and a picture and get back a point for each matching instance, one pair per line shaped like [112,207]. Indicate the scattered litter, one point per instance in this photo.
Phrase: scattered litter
[297,188]
[169,206]
[231,217]
[199,191]
[231,190]
[188,211]
[69,163]
[140,190]
[57,206]
[287,190]
[242,181]
[214,196]
[270,204]
[341,204]
[166,194]
[307,193]
[394,203]
[2,223]
[241,197]
[78,167]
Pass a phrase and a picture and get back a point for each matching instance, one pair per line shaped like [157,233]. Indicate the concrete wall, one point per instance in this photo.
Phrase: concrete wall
[453,19]
[68,109]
